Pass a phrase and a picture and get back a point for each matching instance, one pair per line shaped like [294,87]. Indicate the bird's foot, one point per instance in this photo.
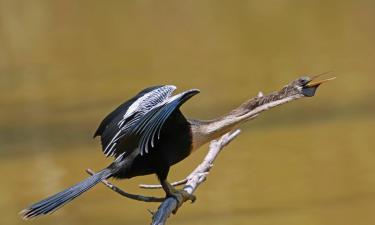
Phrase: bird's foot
[181,196]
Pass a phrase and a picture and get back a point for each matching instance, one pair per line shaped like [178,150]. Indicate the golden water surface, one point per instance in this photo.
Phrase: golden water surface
[65,64]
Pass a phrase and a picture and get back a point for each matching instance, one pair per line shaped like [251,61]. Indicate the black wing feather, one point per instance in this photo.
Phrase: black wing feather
[116,115]
[149,126]
[117,125]
[140,119]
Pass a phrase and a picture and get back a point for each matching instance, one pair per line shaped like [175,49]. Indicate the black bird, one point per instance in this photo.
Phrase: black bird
[148,134]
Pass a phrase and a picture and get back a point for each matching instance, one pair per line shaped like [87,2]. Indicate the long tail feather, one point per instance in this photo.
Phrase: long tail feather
[54,202]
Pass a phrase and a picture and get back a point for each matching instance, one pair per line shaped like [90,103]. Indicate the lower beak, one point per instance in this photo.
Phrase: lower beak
[317,83]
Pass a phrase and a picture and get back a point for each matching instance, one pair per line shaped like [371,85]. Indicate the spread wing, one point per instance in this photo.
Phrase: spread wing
[119,123]
[118,113]
[150,125]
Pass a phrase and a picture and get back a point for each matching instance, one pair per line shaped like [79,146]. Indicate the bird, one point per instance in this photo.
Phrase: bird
[148,134]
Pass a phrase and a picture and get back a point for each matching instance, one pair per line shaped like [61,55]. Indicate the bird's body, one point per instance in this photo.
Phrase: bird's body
[175,145]
[150,129]
[148,134]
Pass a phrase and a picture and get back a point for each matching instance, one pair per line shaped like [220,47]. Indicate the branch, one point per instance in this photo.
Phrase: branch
[158,186]
[126,194]
[195,178]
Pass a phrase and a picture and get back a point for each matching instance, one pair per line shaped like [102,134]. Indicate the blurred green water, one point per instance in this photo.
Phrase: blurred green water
[65,64]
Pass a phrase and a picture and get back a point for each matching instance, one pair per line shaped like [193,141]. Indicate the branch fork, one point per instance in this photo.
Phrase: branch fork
[191,182]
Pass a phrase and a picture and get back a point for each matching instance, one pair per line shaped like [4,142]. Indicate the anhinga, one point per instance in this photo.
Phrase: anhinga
[148,134]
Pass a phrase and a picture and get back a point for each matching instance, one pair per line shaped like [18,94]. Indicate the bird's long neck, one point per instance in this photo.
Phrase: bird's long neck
[204,131]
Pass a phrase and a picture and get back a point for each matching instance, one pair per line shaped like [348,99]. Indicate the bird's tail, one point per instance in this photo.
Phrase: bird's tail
[54,202]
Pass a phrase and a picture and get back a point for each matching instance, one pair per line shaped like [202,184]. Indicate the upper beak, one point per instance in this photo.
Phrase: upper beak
[309,89]
[313,83]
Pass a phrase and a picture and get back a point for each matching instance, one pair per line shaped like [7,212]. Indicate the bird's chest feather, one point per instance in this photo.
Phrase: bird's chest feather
[175,144]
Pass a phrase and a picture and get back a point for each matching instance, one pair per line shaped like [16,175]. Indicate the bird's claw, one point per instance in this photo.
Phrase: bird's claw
[181,196]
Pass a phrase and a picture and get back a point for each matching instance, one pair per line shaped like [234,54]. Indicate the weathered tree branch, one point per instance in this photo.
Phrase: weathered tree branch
[158,186]
[126,194]
[195,178]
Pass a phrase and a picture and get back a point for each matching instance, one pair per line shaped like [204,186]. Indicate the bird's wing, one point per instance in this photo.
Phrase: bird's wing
[118,113]
[149,126]
[118,124]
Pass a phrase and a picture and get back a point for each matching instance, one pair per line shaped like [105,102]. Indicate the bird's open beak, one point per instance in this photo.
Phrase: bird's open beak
[309,89]
[313,83]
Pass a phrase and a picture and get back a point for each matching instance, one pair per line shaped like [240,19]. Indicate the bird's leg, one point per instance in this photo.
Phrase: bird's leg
[180,195]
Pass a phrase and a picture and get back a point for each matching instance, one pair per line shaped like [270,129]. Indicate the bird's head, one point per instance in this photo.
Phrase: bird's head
[307,86]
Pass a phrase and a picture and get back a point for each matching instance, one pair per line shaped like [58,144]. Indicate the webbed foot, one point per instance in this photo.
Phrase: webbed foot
[181,196]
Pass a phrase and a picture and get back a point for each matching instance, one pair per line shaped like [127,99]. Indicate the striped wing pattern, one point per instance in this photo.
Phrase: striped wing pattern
[149,126]
[121,126]
[143,119]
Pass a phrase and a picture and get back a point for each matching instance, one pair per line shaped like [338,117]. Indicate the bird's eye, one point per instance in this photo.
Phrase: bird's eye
[304,80]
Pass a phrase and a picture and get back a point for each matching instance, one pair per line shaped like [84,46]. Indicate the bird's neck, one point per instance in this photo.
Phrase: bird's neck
[204,131]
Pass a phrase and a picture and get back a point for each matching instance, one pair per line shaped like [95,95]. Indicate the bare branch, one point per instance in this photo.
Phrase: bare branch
[126,194]
[195,178]
[158,186]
